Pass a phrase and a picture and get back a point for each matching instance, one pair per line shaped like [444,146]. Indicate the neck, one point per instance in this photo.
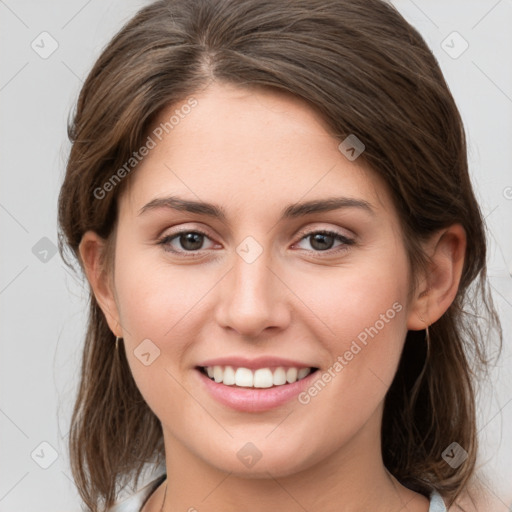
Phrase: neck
[352,479]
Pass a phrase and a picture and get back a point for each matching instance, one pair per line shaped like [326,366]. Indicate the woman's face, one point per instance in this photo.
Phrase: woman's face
[254,285]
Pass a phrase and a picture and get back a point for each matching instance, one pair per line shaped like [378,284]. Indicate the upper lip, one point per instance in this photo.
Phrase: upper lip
[255,363]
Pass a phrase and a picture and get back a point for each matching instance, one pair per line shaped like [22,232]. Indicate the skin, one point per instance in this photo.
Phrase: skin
[253,152]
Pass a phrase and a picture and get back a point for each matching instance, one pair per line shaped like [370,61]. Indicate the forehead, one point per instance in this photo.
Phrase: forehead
[248,148]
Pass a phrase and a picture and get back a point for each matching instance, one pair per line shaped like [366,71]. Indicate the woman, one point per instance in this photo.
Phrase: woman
[272,206]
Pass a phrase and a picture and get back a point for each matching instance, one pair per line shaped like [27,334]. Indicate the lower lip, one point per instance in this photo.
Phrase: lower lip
[254,399]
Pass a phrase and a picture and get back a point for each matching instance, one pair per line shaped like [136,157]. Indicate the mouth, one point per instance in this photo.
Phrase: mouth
[260,378]
[253,390]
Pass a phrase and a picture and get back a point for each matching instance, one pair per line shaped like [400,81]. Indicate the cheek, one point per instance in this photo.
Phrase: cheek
[152,308]
[155,295]
[378,327]
[155,316]
[368,319]
[360,314]
[344,301]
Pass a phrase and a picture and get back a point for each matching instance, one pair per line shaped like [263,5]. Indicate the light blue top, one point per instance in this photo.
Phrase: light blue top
[136,501]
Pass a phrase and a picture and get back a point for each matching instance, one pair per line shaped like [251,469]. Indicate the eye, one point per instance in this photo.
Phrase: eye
[187,240]
[323,240]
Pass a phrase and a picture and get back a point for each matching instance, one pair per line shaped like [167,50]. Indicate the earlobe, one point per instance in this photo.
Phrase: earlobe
[446,250]
[91,250]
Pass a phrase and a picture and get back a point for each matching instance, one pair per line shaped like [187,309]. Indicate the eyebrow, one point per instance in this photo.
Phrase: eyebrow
[291,211]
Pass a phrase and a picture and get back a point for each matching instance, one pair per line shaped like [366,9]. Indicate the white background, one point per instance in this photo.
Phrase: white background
[43,307]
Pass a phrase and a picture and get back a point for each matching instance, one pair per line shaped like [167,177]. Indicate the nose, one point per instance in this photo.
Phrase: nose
[252,298]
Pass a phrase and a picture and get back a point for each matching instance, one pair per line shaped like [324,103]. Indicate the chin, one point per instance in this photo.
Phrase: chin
[250,460]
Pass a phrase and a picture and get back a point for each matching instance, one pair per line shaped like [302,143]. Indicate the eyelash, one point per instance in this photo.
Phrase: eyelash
[164,241]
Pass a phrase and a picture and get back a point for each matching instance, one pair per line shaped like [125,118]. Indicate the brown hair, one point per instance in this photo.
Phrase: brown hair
[369,73]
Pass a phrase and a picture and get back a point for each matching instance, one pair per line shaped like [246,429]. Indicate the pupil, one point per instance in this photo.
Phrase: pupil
[192,238]
[321,238]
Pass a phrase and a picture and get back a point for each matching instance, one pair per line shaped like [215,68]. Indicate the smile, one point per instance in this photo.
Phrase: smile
[258,378]
[254,390]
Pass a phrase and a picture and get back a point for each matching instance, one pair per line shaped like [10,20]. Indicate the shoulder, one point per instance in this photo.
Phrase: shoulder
[474,502]
[136,501]
[459,506]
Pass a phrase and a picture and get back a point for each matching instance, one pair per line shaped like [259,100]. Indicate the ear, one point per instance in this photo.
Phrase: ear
[438,288]
[91,251]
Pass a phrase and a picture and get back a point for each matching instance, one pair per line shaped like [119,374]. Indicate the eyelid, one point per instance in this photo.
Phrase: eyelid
[347,240]
[161,240]
[178,229]
[316,229]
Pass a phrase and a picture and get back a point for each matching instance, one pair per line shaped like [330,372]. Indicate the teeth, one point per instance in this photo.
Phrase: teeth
[279,377]
[260,378]
[218,374]
[243,377]
[302,373]
[291,375]
[229,377]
